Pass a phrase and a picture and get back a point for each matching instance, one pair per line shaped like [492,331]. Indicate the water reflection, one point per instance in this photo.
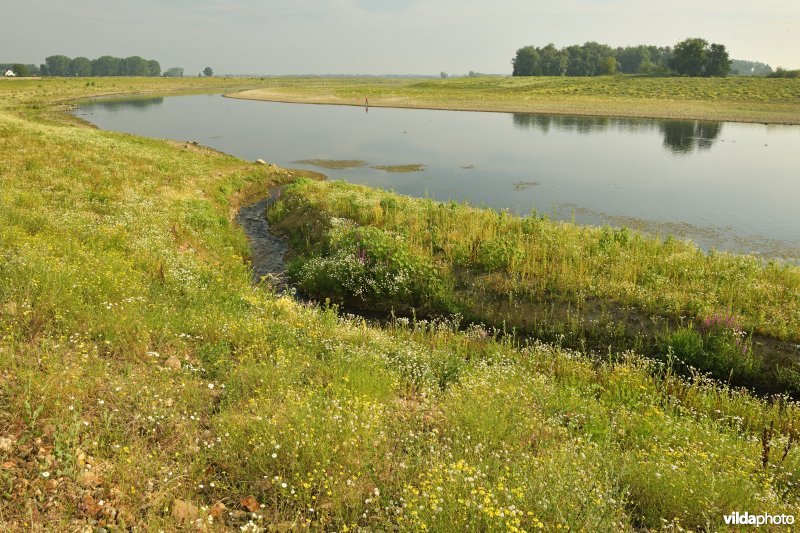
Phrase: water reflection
[683,137]
[680,136]
[132,103]
[562,122]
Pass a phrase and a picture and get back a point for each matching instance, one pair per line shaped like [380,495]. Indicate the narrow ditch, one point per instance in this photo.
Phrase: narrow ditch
[267,250]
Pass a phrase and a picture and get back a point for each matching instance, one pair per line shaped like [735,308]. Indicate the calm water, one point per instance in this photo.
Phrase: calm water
[724,185]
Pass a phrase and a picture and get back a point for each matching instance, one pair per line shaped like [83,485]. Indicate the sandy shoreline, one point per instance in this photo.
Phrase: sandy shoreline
[599,107]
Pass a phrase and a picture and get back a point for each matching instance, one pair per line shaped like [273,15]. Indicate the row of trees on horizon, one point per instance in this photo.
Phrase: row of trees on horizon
[691,57]
[61,65]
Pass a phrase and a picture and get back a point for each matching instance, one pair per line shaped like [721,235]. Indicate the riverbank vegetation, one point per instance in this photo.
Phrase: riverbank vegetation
[147,383]
[742,99]
[589,288]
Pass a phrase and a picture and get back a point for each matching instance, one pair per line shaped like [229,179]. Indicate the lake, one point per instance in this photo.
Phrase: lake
[724,185]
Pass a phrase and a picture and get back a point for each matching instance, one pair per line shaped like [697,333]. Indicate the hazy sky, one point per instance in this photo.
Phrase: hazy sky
[381,36]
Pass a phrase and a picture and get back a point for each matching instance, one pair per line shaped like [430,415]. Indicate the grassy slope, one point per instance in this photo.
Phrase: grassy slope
[733,99]
[118,254]
[534,274]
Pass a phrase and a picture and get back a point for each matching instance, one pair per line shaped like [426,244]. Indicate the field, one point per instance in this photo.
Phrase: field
[147,383]
[772,101]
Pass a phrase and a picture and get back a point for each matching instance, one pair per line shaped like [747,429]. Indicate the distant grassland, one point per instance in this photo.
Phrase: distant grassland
[774,101]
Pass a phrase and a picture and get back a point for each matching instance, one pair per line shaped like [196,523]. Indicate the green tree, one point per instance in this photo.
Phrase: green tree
[21,70]
[208,72]
[554,61]
[174,72]
[689,57]
[526,62]
[153,68]
[609,65]
[631,58]
[57,65]
[718,63]
[107,66]
[134,66]
[80,66]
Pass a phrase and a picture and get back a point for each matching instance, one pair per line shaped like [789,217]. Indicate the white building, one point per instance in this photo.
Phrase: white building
[10,74]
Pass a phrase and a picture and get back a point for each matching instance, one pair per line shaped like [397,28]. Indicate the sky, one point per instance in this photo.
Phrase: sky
[381,36]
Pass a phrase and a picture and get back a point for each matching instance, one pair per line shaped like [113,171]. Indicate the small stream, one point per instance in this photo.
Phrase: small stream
[267,250]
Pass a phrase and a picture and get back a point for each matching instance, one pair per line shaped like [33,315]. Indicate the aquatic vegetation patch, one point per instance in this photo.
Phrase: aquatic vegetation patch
[525,184]
[333,163]
[411,167]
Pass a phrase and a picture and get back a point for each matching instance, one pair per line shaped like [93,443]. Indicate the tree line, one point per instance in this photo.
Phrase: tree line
[19,69]
[60,65]
[691,57]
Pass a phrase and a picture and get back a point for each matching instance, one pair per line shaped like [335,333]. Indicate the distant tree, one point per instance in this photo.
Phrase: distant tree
[107,66]
[554,62]
[153,68]
[57,65]
[781,72]
[609,65]
[443,75]
[689,57]
[134,66]
[631,58]
[21,70]
[576,65]
[80,66]
[718,64]
[526,62]
[174,72]
[208,72]
[695,57]
[749,68]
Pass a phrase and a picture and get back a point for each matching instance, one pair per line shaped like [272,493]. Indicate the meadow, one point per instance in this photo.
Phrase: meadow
[738,99]
[147,383]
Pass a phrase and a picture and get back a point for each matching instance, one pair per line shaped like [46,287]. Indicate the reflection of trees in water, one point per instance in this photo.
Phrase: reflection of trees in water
[562,122]
[137,103]
[684,136]
[680,136]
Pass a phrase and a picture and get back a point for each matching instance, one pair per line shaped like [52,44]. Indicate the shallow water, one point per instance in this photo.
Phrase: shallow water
[724,185]
[267,250]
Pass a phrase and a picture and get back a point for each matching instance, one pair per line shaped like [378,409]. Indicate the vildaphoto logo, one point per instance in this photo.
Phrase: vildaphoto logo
[764,519]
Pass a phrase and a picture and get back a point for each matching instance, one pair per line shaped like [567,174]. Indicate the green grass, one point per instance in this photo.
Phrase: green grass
[583,286]
[742,99]
[118,256]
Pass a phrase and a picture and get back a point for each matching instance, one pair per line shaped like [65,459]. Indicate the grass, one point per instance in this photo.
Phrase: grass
[773,101]
[587,287]
[146,383]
